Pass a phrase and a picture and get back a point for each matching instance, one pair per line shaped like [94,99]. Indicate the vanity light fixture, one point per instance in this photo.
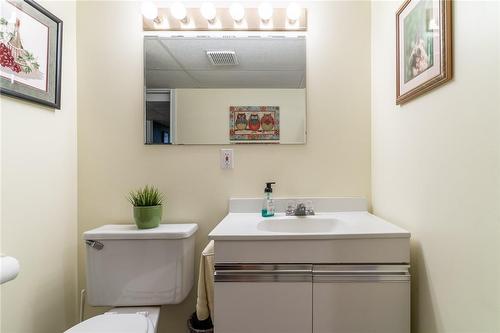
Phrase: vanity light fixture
[237,12]
[209,12]
[179,12]
[265,12]
[150,11]
[210,15]
[293,13]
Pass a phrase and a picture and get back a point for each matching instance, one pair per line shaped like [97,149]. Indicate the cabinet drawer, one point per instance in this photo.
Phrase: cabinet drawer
[263,298]
[361,299]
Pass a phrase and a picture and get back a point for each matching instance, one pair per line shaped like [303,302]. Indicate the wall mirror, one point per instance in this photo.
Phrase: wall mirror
[225,90]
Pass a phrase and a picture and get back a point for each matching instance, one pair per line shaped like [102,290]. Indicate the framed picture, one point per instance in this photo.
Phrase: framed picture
[423,47]
[30,52]
[254,124]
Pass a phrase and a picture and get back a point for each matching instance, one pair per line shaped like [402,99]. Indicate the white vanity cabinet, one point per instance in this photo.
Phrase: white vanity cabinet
[361,298]
[342,270]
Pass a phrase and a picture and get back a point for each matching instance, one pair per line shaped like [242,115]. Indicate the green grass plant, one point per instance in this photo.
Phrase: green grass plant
[147,196]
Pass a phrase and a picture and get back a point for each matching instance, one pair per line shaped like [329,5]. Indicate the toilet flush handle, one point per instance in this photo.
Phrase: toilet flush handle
[94,244]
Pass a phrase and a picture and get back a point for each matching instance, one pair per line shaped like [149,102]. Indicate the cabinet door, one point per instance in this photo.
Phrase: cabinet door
[360,300]
[264,302]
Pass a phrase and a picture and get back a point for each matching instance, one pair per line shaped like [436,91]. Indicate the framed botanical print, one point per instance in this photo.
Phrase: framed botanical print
[423,47]
[30,52]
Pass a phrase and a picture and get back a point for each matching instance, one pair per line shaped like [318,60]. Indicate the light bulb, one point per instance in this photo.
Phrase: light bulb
[293,13]
[208,11]
[179,11]
[265,11]
[149,10]
[237,11]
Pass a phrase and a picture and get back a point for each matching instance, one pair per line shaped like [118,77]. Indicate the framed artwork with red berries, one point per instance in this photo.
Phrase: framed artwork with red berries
[30,52]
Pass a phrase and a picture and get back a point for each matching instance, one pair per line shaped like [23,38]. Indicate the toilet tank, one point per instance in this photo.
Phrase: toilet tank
[127,266]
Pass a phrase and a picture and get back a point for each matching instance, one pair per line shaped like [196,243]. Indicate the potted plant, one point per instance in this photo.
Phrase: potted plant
[148,207]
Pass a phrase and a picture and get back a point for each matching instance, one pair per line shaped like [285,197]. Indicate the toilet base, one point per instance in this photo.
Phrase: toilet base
[121,319]
[152,312]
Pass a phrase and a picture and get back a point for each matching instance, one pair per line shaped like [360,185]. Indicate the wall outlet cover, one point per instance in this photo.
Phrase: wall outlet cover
[226,159]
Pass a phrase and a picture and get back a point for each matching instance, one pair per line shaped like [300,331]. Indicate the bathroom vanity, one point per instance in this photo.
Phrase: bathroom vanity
[341,270]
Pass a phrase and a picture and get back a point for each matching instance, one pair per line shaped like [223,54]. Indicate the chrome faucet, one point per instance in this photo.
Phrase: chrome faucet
[299,209]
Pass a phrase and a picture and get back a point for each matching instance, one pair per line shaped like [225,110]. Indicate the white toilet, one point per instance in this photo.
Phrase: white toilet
[136,271]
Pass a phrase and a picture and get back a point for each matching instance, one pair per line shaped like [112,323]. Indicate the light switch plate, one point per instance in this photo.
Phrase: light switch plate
[226,159]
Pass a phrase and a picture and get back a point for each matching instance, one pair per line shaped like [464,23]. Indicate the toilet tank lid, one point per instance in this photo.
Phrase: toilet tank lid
[130,231]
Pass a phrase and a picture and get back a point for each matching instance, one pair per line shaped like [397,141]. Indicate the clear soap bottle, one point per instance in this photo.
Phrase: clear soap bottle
[268,203]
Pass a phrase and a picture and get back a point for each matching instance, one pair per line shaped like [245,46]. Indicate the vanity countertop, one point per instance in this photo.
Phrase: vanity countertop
[324,225]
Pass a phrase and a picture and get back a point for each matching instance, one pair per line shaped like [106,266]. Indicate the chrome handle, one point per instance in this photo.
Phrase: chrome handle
[264,267]
[361,273]
[263,277]
[360,268]
[361,278]
[262,273]
[94,244]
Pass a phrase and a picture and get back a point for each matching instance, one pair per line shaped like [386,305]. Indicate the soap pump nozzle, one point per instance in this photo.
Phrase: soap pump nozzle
[269,188]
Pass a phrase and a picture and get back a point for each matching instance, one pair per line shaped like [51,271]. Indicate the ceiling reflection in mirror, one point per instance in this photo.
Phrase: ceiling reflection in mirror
[225,90]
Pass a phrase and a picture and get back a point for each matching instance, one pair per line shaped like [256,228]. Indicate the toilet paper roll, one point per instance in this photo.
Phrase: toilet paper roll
[9,268]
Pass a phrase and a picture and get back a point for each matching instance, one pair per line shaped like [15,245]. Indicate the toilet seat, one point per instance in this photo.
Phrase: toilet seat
[115,323]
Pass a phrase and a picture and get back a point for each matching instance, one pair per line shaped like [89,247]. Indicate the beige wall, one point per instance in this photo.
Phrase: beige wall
[202,115]
[39,201]
[112,159]
[436,171]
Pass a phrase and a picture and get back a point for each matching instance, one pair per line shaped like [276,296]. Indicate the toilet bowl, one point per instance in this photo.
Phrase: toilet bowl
[121,320]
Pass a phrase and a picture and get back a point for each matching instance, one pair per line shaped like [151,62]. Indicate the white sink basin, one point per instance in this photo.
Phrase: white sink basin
[336,218]
[299,225]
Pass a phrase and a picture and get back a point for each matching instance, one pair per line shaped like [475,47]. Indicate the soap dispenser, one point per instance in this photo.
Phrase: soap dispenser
[268,203]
